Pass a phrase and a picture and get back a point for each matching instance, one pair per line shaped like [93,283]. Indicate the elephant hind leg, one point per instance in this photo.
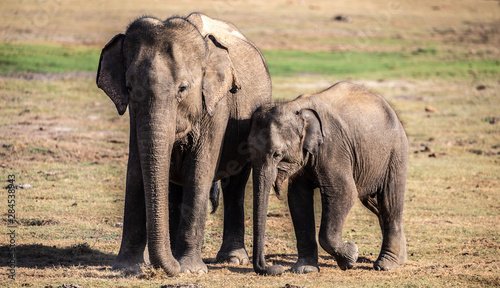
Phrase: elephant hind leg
[233,240]
[389,203]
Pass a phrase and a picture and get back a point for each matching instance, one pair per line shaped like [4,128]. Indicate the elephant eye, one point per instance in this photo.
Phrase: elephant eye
[277,154]
[183,86]
[128,86]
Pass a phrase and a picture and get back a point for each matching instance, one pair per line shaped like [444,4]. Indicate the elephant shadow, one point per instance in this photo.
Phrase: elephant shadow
[286,260]
[361,259]
[41,256]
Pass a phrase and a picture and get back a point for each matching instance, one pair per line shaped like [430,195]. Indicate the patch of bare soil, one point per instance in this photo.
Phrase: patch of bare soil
[60,139]
[58,131]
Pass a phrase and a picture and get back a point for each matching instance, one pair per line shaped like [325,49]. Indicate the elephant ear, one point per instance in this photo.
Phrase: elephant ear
[111,73]
[220,75]
[312,132]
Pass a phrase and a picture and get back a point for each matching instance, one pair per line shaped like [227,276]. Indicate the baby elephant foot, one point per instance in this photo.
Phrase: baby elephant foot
[305,265]
[389,261]
[385,262]
[193,265]
[348,256]
[238,256]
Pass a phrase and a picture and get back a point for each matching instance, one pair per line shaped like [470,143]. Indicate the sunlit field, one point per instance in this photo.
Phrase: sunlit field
[437,63]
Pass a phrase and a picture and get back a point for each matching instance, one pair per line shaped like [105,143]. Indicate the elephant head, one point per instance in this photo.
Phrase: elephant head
[169,75]
[282,138]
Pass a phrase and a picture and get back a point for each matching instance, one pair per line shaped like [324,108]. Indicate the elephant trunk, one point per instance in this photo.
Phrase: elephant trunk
[156,136]
[263,179]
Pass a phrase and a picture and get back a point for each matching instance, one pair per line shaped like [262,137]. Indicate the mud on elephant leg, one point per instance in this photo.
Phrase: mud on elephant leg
[233,243]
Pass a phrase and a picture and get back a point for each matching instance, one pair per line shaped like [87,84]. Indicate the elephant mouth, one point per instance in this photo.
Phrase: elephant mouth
[278,183]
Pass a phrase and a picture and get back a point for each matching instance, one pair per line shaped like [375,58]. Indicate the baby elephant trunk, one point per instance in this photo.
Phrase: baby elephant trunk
[263,179]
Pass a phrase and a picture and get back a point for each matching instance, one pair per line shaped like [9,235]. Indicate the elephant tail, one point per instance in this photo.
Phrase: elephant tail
[214,196]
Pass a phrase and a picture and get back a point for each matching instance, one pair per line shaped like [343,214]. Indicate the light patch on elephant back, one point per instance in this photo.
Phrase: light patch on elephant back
[218,28]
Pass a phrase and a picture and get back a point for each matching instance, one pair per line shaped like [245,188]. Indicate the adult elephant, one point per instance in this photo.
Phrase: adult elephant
[348,143]
[191,85]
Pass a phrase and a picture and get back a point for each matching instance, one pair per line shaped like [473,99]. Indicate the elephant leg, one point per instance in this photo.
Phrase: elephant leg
[301,204]
[390,203]
[174,209]
[190,232]
[337,200]
[195,195]
[134,234]
[233,240]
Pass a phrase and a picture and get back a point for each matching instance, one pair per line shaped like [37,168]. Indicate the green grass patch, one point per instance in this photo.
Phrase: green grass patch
[17,58]
[422,63]
[427,62]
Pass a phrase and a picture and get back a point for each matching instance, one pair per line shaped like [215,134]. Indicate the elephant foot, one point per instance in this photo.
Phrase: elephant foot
[348,256]
[388,261]
[130,264]
[305,265]
[385,262]
[237,256]
[193,265]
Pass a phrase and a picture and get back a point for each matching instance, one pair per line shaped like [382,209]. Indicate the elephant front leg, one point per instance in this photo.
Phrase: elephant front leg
[134,234]
[191,227]
[193,211]
[337,201]
[233,240]
[174,209]
[301,203]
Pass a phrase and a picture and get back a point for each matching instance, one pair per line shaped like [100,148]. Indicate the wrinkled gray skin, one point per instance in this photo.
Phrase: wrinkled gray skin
[191,85]
[348,143]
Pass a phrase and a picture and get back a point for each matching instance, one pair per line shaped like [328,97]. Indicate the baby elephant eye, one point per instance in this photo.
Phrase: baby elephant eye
[277,154]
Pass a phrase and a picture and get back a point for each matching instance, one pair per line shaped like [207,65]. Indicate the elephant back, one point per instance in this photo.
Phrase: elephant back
[250,65]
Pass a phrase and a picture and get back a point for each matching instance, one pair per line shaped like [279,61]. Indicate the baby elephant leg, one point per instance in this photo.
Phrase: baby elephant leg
[337,201]
[300,201]
[233,240]
[388,206]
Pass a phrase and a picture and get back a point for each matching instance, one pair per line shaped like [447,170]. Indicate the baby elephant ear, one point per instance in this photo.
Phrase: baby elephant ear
[312,132]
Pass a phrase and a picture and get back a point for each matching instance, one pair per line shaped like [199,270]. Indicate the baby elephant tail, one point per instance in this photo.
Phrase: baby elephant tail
[214,196]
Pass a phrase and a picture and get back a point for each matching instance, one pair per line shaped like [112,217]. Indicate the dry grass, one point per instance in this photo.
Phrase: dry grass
[63,136]
[283,24]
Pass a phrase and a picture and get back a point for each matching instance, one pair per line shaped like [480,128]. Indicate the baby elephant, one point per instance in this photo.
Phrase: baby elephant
[348,143]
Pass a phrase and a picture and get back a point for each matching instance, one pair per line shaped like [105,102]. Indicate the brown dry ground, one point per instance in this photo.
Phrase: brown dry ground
[61,135]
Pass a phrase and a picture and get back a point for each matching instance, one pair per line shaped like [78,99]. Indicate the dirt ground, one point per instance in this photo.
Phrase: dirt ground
[62,135]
